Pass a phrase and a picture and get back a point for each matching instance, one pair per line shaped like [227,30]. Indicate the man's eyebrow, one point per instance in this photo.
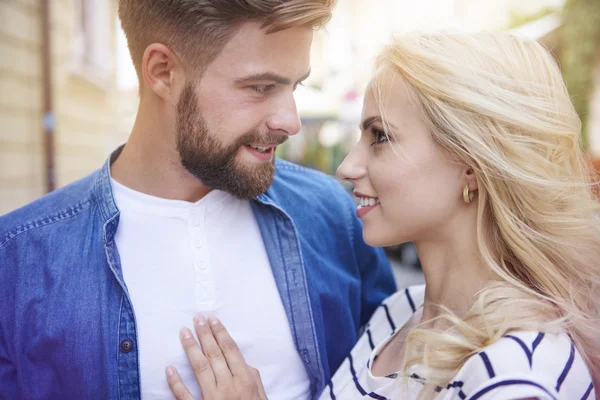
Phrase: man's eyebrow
[270,76]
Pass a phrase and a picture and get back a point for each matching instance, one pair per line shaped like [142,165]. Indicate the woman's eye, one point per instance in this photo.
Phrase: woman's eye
[263,88]
[379,136]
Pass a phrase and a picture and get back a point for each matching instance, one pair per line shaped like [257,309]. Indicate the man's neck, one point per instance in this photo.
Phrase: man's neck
[149,163]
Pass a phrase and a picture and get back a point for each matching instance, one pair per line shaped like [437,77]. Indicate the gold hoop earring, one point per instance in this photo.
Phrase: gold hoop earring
[468,195]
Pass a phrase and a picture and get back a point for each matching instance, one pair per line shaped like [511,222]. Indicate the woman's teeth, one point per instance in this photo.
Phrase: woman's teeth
[368,201]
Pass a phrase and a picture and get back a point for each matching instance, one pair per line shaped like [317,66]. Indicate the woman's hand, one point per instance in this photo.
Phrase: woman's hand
[219,366]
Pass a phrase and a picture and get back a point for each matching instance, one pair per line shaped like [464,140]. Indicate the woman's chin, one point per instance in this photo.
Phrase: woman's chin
[376,239]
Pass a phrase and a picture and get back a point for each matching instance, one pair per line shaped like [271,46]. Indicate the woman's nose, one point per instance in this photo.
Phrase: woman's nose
[353,167]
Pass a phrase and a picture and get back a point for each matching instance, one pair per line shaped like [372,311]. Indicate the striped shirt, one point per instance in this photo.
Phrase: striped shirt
[519,365]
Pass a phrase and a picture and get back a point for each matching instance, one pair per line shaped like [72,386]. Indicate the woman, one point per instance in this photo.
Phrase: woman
[470,149]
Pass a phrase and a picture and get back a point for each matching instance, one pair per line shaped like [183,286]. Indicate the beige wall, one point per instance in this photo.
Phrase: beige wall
[84,104]
[21,162]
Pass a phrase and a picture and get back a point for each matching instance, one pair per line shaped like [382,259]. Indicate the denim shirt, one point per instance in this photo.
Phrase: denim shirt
[67,323]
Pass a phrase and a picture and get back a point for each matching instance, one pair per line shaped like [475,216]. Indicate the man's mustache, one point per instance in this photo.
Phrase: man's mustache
[254,138]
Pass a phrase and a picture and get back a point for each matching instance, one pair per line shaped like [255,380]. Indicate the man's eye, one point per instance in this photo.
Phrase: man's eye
[263,88]
[379,136]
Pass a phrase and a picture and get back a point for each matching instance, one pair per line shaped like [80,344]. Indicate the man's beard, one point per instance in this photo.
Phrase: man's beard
[213,164]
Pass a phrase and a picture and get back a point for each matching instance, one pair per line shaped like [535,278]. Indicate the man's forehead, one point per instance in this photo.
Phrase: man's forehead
[251,41]
[285,54]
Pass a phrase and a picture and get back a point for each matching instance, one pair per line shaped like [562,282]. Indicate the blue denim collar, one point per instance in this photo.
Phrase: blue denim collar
[102,191]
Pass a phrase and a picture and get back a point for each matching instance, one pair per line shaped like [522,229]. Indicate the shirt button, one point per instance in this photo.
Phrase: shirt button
[305,356]
[201,265]
[126,346]
[196,220]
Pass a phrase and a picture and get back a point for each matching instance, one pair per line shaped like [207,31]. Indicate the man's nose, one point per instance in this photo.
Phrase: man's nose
[285,118]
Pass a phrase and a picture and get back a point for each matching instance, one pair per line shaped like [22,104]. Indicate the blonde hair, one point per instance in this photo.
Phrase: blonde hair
[498,104]
[198,29]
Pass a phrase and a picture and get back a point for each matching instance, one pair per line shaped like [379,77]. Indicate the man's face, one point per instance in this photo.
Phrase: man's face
[229,124]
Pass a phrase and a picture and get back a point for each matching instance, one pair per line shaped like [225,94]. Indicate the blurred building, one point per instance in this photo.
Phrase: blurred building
[344,52]
[479,15]
[81,89]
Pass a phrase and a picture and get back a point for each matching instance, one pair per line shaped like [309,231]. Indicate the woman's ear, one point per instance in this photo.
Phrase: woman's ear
[471,178]
[470,184]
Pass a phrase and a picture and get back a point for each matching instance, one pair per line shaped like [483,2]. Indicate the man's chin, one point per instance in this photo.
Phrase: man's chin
[249,181]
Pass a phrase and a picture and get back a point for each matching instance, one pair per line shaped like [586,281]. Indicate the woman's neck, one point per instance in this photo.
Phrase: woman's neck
[454,273]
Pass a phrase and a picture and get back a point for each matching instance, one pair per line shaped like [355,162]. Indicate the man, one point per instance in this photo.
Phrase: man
[193,215]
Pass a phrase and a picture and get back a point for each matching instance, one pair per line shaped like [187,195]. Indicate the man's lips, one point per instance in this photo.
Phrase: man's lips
[264,146]
[267,144]
[264,154]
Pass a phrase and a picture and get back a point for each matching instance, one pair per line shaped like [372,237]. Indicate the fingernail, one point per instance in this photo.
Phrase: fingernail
[200,320]
[186,333]
[170,371]
[213,320]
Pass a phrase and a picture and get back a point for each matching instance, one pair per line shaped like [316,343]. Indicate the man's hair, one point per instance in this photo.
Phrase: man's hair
[197,30]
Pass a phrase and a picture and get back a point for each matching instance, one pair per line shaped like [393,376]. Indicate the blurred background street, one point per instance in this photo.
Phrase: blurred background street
[68,90]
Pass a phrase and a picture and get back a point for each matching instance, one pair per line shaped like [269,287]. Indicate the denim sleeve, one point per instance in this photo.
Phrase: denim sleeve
[8,371]
[8,379]
[378,282]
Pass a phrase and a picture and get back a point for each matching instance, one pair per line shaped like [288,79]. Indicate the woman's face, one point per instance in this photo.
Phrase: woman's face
[409,188]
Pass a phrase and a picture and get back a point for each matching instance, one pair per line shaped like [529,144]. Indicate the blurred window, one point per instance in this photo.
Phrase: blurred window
[91,57]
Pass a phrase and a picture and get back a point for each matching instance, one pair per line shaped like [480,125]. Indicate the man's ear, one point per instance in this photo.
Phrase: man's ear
[160,67]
